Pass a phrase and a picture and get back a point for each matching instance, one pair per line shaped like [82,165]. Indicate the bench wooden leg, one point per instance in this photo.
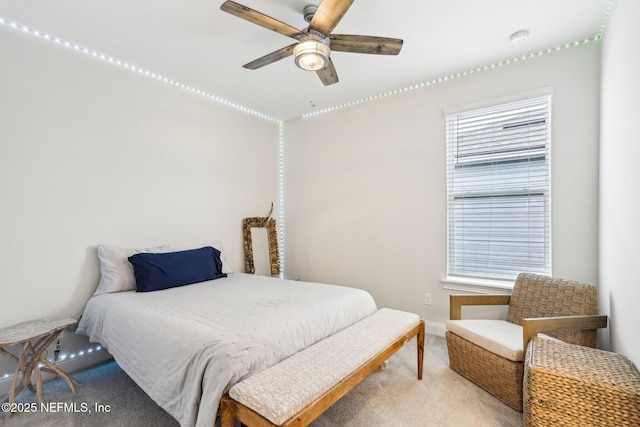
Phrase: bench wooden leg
[420,341]
[228,413]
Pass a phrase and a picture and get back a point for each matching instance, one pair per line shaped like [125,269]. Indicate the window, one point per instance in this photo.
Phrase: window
[498,208]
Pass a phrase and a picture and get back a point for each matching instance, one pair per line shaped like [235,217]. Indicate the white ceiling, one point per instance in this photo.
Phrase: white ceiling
[195,43]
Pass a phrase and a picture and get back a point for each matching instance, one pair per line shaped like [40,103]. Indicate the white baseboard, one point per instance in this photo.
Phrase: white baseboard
[435,328]
[68,365]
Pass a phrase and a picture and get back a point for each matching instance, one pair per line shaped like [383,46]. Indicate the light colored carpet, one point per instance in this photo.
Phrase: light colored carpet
[393,397]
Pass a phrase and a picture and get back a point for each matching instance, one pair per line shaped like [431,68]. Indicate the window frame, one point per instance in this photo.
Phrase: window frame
[488,284]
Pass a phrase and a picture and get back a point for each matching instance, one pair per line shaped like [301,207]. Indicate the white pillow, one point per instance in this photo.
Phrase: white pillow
[218,245]
[116,272]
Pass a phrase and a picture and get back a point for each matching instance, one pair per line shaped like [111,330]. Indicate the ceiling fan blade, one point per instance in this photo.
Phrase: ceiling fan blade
[261,19]
[328,74]
[365,44]
[271,58]
[329,13]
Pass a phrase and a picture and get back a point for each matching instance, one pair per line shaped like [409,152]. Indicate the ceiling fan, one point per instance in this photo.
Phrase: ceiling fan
[314,44]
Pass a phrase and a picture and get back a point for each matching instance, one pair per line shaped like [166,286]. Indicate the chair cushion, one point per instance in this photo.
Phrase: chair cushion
[497,336]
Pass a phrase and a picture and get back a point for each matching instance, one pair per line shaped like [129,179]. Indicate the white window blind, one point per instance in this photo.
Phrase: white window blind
[498,189]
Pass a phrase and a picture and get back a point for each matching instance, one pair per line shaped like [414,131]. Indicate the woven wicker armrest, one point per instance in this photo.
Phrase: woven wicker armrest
[531,326]
[457,301]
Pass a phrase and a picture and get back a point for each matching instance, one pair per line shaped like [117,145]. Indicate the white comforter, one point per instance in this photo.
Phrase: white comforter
[185,347]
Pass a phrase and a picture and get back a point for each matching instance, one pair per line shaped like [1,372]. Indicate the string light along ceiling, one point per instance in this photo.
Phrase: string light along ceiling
[280,123]
[231,104]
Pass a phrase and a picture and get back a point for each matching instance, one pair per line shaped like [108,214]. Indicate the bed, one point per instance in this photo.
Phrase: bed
[186,346]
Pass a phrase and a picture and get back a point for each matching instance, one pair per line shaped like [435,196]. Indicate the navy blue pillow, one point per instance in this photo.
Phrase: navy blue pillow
[158,271]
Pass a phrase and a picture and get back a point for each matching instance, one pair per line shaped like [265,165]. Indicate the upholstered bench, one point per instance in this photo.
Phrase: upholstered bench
[298,389]
[572,385]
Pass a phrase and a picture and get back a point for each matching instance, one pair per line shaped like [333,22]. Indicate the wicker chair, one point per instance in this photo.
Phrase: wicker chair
[491,352]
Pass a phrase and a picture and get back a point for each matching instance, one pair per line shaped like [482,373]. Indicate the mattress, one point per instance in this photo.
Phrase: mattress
[185,347]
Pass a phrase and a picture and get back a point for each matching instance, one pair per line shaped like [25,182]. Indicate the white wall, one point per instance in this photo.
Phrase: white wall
[91,153]
[620,178]
[366,186]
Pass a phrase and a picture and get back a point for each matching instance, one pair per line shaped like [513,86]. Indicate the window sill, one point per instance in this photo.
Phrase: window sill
[478,286]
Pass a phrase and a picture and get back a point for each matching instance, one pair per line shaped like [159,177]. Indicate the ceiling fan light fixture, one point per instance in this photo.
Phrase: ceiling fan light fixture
[311,55]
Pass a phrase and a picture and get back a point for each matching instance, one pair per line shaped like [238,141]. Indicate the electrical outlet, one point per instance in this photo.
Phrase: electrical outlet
[427,299]
[56,351]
